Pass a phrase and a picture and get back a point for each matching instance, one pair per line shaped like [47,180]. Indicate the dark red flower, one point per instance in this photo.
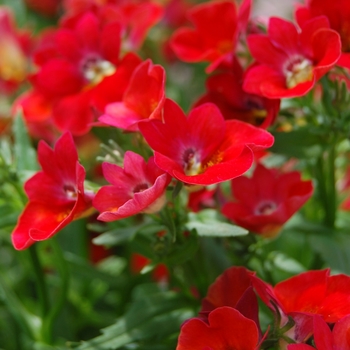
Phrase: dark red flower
[226,91]
[215,42]
[138,187]
[136,17]
[203,148]
[338,14]
[233,288]
[143,99]
[264,202]
[56,194]
[226,329]
[289,62]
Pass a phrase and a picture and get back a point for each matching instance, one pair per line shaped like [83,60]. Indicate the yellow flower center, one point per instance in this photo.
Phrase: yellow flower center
[13,63]
[298,70]
[95,70]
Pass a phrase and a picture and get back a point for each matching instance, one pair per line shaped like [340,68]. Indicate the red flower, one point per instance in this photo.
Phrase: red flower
[80,71]
[233,288]
[305,295]
[267,200]
[56,194]
[227,328]
[290,62]
[202,149]
[139,187]
[135,17]
[144,98]
[215,42]
[226,91]
[338,14]
[325,339]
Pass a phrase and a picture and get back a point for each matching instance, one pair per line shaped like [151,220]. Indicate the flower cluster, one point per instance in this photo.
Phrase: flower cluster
[188,138]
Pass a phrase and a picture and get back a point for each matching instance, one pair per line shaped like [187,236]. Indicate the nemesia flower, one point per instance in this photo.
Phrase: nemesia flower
[203,148]
[80,71]
[226,91]
[288,61]
[134,16]
[226,328]
[338,14]
[305,295]
[15,46]
[56,194]
[143,98]
[215,42]
[233,288]
[138,187]
[327,339]
[264,202]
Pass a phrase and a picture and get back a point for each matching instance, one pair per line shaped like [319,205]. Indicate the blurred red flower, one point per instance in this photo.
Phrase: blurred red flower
[56,194]
[80,71]
[264,202]
[215,42]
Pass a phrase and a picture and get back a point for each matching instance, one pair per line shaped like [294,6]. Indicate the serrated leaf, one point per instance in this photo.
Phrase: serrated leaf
[206,223]
[153,315]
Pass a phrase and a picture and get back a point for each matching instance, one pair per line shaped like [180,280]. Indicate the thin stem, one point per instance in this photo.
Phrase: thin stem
[332,194]
[60,301]
[40,280]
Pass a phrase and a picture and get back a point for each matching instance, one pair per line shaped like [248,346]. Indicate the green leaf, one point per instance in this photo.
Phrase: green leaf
[334,250]
[121,234]
[153,316]
[299,143]
[206,223]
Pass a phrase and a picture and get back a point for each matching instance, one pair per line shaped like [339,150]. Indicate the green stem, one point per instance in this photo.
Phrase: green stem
[332,194]
[60,301]
[40,280]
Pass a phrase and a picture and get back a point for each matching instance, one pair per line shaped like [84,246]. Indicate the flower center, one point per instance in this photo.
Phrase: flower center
[140,187]
[297,70]
[13,64]
[191,162]
[265,208]
[96,69]
[70,191]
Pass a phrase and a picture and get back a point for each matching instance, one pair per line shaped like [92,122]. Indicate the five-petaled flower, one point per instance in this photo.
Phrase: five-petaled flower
[203,148]
[138,187]
[264,202]
[289,62]
[56,194]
